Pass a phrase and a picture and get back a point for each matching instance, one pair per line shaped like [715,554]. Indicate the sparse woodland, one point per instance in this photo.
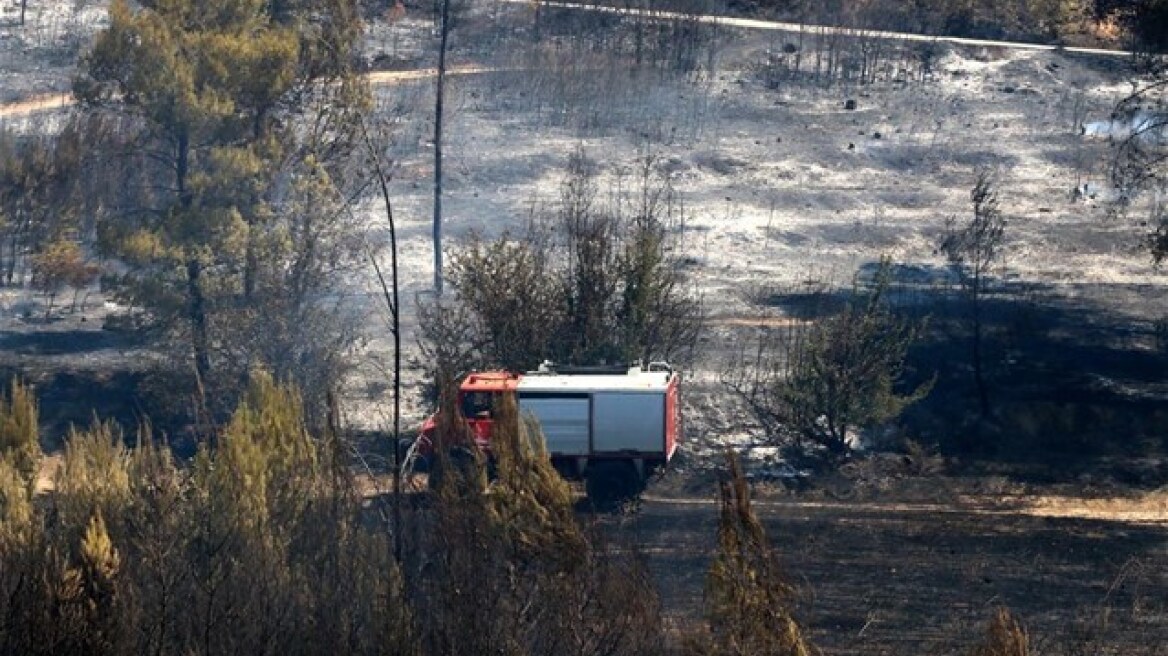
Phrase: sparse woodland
[211,181]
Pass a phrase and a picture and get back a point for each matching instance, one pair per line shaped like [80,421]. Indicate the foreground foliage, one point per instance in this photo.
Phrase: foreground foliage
[257,546]
[263,544]
[749,599]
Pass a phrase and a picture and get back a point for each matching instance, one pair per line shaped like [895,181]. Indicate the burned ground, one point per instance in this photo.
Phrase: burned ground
[790,196]
[919,578]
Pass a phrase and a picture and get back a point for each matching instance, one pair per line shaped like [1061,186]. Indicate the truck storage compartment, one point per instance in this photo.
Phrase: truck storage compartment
[624,422]
[564,421]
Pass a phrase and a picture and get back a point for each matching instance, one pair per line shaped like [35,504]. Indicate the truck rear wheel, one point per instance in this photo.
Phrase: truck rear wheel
[610,484]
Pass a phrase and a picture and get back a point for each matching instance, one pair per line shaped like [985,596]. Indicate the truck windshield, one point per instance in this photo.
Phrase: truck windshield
[477,405]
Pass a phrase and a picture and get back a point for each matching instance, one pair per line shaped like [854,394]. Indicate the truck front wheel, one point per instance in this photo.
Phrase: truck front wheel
[612,483]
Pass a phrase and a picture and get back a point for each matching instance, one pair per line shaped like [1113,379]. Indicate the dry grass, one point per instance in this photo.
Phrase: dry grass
[1146,508]
[1004,637]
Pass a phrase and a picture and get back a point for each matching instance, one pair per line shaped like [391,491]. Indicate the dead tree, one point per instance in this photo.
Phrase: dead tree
[974,249]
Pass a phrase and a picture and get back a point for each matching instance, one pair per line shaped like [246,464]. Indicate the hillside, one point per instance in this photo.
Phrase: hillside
[797,161]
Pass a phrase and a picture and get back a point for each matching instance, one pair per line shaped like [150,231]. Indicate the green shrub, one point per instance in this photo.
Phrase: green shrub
[819,381]
[19,436]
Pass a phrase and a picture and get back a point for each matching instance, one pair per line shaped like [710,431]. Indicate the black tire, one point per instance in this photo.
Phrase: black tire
[611,484]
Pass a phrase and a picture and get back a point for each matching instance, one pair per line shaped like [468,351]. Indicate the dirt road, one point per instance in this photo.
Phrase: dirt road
[780,26]
[56,101]
[36,104]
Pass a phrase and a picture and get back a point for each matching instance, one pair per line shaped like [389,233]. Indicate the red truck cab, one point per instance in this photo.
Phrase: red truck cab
[476,398]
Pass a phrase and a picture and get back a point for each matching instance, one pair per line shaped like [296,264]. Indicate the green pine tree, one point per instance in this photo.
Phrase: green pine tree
[20,445]
[214,93]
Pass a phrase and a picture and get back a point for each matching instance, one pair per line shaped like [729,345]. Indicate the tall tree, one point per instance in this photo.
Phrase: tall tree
[39,203]
[213,96]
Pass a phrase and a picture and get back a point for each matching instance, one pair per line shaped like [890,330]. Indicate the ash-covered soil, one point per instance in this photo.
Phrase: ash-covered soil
[924,578]
[39,57]
[787,192]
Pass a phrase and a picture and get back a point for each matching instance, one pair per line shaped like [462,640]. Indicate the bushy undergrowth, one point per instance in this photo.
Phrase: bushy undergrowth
[20,449]
[262,545]
[255,546]
[816,383]
[1004,637]
[748,596]
[587,282]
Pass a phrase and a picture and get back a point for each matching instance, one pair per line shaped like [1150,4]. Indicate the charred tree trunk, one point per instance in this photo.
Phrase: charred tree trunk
[10,265]
[251,263]
[393,305]
[197,309]
[196,303]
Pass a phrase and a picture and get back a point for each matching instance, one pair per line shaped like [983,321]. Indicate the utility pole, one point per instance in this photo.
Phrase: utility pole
[444,30]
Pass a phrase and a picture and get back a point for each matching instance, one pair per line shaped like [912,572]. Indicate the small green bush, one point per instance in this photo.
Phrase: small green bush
[19,436]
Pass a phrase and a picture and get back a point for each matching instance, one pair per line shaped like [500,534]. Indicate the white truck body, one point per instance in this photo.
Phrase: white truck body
[602,415]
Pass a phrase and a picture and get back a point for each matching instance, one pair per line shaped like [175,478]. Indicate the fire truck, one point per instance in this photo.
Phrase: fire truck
[613,428]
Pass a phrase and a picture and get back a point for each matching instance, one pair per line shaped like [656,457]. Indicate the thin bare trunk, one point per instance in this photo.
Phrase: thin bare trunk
[251,263]
[10,266]
[392,300]
[445,33]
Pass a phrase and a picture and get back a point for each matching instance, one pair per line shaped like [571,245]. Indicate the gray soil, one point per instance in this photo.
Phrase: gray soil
[786,191]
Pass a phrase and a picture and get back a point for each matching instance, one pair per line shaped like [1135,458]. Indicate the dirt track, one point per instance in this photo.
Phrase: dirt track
[780,26]
[53,101]
[36,104]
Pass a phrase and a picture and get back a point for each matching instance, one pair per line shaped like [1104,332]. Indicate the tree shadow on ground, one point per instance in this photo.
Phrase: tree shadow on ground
[78,398]
[79,375]
[1076,382]
[64,342]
